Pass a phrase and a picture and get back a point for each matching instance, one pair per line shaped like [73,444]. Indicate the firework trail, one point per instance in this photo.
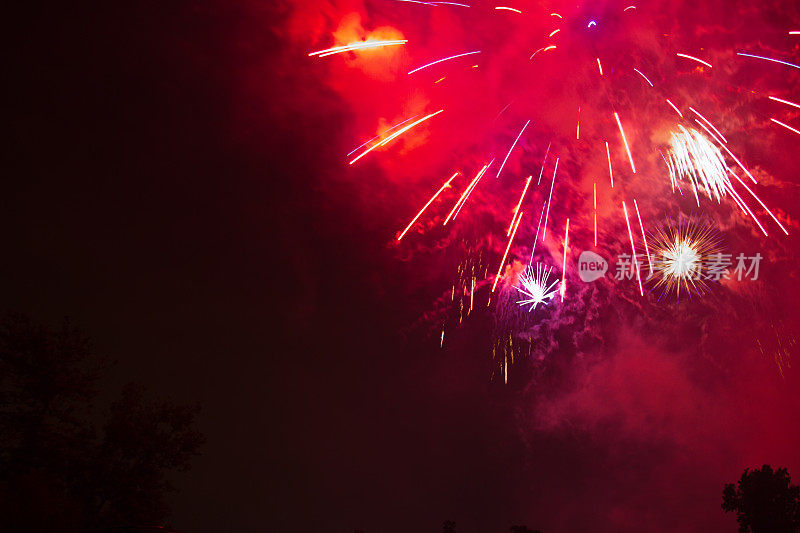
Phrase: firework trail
[512,148]
[633,248]
[549,201]
[536,238]
[519,204]
[625,141]
[634,101]
[463,198]
[450,58]
[594,201]
[505,254]
[644,236]
[687,56]
[693,157]
[352,47]
[446,185]
[394,135]
[563,288]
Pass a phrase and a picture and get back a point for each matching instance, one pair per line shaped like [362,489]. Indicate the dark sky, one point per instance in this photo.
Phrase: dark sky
[173,182]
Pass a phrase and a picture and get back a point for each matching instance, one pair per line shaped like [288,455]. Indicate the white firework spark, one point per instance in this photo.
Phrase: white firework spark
[681,259]
[693,156]
[536,287]
[682,251]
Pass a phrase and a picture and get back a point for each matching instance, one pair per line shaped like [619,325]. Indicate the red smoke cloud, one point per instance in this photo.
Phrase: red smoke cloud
[674,398]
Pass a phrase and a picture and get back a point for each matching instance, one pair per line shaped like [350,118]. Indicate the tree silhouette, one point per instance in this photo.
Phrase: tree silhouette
[66,463]
[449,527]
[764,501]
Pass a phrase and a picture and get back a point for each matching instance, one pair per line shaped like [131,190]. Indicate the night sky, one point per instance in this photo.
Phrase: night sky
[175,183]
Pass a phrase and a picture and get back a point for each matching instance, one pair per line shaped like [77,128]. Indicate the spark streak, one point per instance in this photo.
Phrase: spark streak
[639,72]
[543,49]
[610,172]
[709,65]
[549,199]
[678,111]
[563,289]
[711,133]
[633,249]
[442,60]
[594,187]
[769,59]
[744,169]
[505,8]
[599,66]
[624,140]
[644,237]
[463,198]
[693,156]
[779,123]
[696,112]
[536,238]
[760,202]
[378,136]
[394,135]
[508,247]
[746,208]
[787,102]
[519,204]
[446,185]
[512,148]
[543,162]
[360,45]
[471,296]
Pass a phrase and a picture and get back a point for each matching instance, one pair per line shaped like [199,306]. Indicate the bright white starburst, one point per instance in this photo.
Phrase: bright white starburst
[693,157]
[680,259]
[682,251]
[534,285]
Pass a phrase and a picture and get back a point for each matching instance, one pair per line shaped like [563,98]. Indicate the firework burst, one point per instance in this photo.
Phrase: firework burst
[693,157]
[682,253]
[501,93]
[535,286]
